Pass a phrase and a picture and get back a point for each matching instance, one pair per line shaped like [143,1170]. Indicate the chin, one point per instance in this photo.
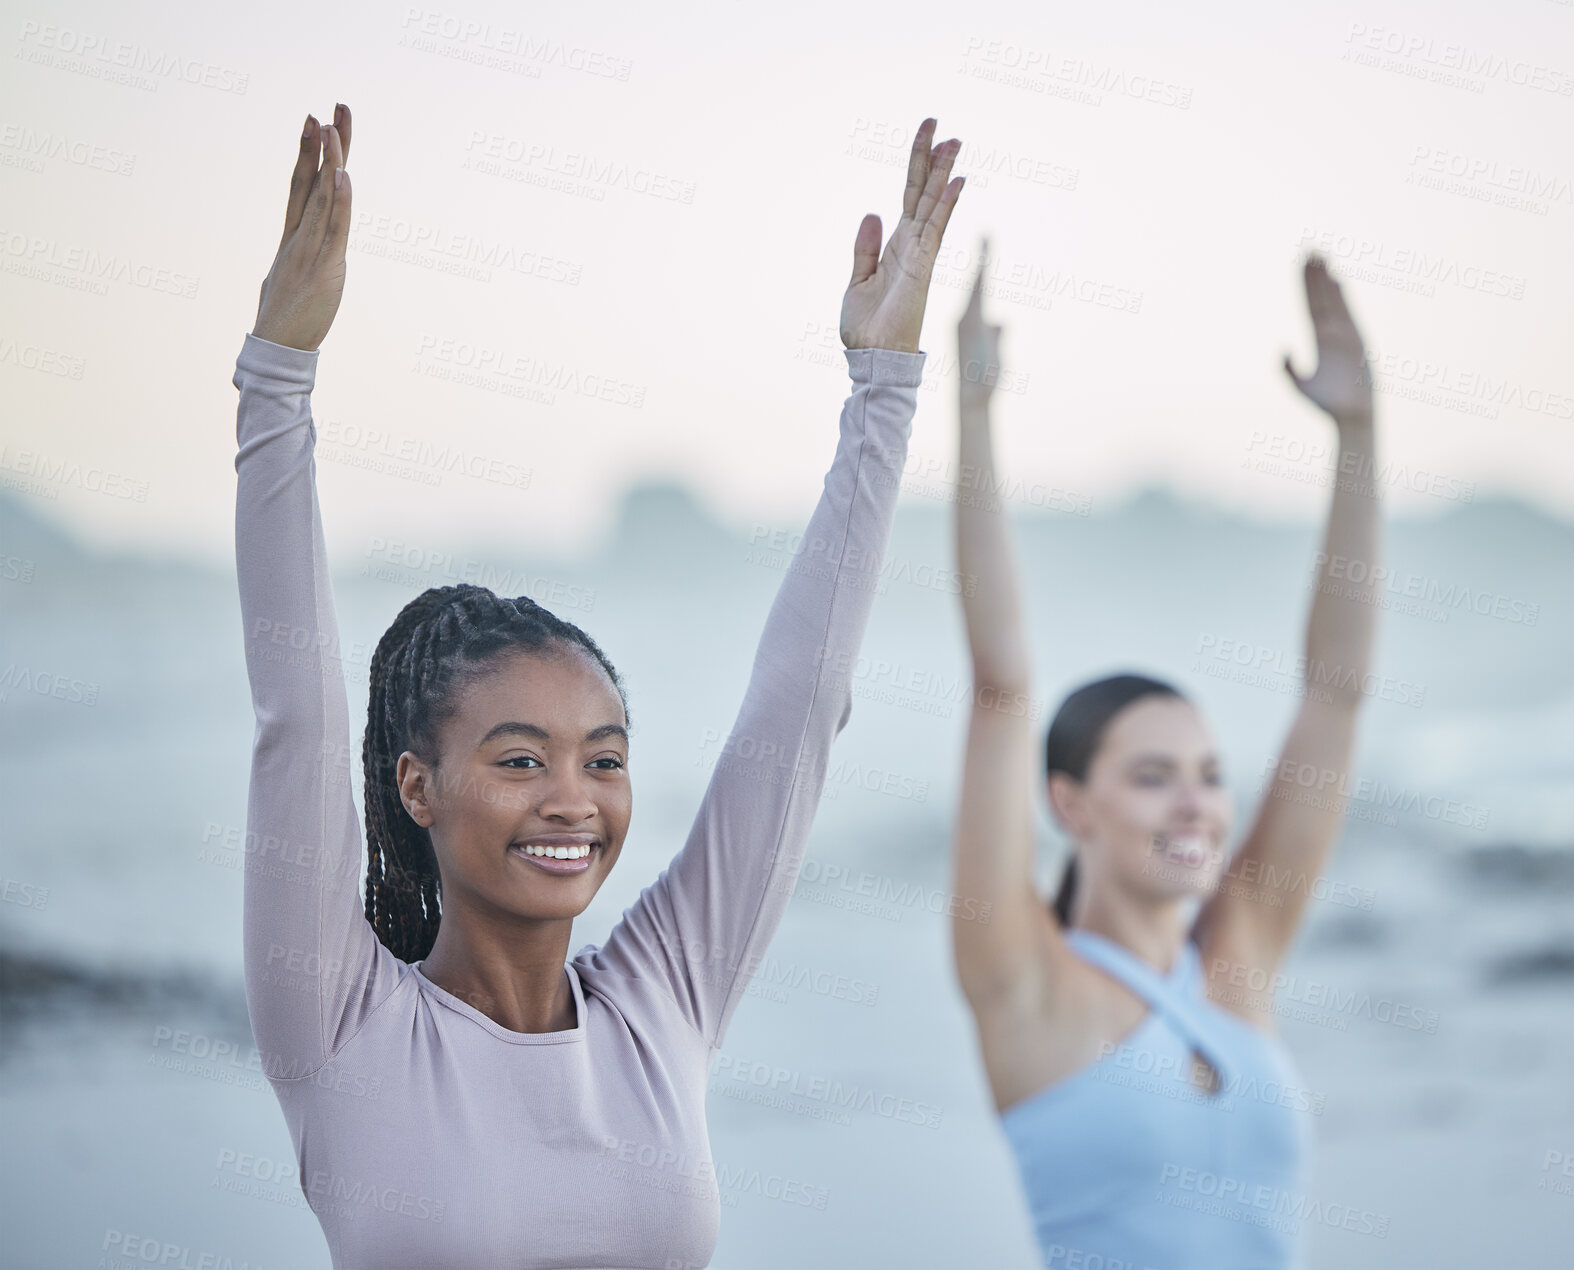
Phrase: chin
[555,909]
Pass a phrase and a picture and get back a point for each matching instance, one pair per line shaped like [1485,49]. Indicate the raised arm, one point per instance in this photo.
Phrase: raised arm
[1293,834]
[703,925]
[998,962]
[313,965]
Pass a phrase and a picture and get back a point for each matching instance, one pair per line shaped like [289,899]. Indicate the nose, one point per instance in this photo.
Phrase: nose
[1192,800]
[565,797]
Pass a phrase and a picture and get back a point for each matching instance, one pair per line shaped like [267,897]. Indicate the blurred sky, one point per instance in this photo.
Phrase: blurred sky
[1152,228]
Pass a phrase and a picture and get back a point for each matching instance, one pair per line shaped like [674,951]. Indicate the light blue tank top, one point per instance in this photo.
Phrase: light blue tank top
[1129,1165]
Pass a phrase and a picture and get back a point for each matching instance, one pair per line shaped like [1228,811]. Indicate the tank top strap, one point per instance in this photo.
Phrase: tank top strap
[1177,997]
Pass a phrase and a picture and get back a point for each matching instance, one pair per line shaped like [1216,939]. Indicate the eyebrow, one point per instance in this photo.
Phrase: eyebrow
[1165,761]
[538,733]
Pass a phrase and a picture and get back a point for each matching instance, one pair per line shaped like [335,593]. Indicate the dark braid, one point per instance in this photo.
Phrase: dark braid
[440,642]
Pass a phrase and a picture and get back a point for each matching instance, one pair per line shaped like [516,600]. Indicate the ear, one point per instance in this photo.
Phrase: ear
[1065,802]
[415,787]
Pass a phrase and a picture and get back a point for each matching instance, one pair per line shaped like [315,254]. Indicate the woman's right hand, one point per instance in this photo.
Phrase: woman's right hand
[977,342]
[301,293]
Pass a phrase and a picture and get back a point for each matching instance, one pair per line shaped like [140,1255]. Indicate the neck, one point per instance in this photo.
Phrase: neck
[1155,932]
[514,975]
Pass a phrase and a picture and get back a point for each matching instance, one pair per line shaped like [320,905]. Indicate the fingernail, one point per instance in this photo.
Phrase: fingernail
[338,177]
[307,130]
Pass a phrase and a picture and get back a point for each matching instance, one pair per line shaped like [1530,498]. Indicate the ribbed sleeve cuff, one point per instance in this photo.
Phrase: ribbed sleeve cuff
[885,366]
[277,361]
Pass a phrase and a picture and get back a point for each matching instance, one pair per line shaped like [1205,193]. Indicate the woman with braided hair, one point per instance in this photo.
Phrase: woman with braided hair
[459,1092]
[434,637]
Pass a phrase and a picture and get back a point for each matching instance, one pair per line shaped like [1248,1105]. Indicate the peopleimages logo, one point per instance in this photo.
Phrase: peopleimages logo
[120,61]
[1372,258]
[1326,787]
[1120,1063]
[1451,595]
[34,146]
[933,691]
[1258,660]
[1265,988]
[349,442]
[783,549]
[1240,1199]
[504,48]
[86,268]
[1446,62]
[1006,61]
[442,249]
[572,172]
[785,1083]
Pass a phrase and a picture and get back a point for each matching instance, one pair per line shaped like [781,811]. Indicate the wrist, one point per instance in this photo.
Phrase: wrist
[283,362]
[886,366]
[279,338]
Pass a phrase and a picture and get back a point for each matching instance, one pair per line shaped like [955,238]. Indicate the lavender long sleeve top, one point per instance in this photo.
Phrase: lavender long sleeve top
[427,1134]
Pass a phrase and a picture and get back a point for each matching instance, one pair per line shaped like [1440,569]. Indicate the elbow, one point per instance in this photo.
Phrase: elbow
[1001,662]
[293,738]
[1000,677]
[1345,701]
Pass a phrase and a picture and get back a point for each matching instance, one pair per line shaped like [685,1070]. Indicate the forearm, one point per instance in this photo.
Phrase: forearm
[800,688]
[986,561]
[725,892]
[1341,625]
[280,556]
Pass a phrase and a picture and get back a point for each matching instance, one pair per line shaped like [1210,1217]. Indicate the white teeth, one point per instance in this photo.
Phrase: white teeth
[1191,850]
[560,853]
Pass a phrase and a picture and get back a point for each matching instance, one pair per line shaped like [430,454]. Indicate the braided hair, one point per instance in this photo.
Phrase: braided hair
[438,644]
[1074,738]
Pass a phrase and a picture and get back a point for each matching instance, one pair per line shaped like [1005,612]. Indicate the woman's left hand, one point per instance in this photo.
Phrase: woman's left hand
[884,304]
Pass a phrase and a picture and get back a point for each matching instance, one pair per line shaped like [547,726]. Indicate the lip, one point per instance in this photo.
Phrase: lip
[558,868]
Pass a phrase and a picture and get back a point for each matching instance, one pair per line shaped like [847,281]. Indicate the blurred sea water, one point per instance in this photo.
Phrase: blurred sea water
[1432,986]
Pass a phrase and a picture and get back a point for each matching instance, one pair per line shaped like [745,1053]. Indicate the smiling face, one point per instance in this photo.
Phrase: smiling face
[530,800]
[1152,817]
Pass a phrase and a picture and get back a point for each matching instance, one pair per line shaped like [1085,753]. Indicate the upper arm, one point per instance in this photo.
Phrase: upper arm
[1006,939]
[1252,919]
[702,925]
[314,967]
